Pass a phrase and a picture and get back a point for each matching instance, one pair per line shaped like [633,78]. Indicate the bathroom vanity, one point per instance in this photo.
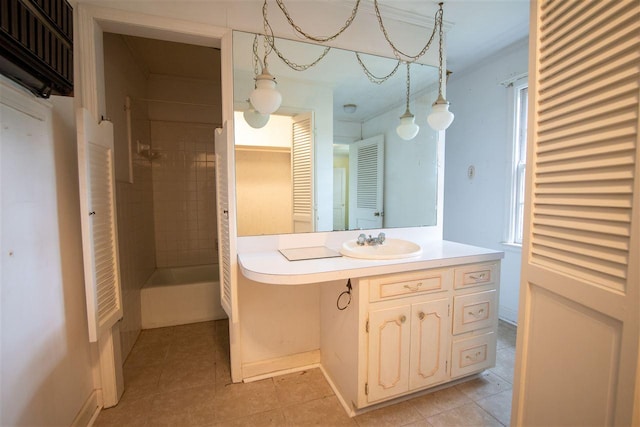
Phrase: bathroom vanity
[404,325]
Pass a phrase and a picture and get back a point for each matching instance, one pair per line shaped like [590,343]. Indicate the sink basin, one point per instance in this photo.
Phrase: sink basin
[390,249]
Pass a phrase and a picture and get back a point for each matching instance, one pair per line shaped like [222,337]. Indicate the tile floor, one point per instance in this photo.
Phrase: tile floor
[179,376]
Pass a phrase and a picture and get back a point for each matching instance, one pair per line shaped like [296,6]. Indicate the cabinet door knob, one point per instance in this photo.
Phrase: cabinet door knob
[403,318]
[421,315]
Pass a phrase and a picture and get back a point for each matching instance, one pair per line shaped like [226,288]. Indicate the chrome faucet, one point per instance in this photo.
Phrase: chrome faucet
[371,241]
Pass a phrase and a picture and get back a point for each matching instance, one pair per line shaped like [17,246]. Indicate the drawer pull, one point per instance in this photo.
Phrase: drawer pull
[414,288]
[403,318]
[474,358]
[480,276]
[477,313]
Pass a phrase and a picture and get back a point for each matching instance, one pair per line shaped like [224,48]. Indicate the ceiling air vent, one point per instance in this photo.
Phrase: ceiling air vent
[36,45]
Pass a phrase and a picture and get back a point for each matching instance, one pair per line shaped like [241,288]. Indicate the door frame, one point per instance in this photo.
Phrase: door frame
[90,22]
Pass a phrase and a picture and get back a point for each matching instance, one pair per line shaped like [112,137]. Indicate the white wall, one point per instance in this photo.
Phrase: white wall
[481,136]
[45,358]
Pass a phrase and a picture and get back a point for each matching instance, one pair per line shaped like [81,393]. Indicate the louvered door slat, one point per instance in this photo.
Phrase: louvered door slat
[302,173]
[586,137]
[226,224]
[592,76]
[99,232]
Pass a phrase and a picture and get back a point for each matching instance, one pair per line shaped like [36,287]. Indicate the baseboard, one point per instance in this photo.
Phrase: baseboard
[279,366]
[508,315]
[89,411]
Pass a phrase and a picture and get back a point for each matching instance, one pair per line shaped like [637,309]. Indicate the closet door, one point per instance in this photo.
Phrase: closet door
[98,221]
[302,173]
[578,328]
[225,199]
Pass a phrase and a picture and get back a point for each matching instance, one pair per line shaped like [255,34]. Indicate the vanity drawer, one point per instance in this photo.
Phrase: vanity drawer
[474,311]
[405,284]
[473,354]
[475,275]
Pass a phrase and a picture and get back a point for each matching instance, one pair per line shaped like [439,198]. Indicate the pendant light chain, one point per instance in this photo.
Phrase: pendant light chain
[440,55]
[408,84]
[269,39]
[373,78]
[397,52]
[346,25]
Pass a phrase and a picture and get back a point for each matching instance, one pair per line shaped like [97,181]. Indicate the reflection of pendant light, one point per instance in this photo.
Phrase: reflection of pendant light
[440,117]
[255,119]
[407,129]
[265,98]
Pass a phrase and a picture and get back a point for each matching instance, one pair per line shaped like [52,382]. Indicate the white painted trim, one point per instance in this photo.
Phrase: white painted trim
[281,372]
[89,411]
[508,315]
[20,99]
[278,366]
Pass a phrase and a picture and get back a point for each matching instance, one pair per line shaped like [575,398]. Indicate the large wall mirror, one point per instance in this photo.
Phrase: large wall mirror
[330,157]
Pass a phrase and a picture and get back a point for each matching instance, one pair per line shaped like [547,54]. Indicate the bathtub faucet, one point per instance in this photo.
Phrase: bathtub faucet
[371,241]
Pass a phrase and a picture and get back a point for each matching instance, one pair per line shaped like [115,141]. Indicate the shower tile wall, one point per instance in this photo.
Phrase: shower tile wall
[184,194]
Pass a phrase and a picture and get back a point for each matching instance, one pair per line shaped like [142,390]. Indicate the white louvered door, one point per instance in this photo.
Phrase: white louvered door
[98,218]
[302,173]
[578,328]
[225,198]
[366,175]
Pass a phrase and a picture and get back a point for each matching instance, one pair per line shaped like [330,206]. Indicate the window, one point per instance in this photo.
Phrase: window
[519,164]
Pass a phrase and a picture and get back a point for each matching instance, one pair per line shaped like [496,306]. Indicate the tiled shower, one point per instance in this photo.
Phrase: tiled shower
[184,193]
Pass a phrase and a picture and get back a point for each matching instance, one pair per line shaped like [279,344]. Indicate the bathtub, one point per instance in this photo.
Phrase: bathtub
[180,295]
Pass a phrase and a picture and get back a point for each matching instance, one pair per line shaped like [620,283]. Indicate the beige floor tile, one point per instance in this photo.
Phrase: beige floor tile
[147,355]
[301,387]
[141,381]
[272,418]
[440,401]
[128,412]
[419,423]
[465,415]
[320,412]
[485,385]
[498,405]
[505,363]
[400,414]
[185,407]
[243,399]
[187,373]
[506,335]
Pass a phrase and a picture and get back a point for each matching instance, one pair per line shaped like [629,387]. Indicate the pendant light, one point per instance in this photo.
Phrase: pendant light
[407,129]
[440,117]
[265,98]
[255,119]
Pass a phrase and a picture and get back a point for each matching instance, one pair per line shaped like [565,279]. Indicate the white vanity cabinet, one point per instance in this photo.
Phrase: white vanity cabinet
[413,331]
[408,332]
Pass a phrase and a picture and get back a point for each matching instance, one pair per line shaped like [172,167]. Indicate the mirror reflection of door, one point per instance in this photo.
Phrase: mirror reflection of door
[366,172]
[302,173]
[339,198]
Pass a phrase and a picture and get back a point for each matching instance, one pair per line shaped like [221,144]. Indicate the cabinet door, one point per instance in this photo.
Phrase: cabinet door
[389,335]
[429,343]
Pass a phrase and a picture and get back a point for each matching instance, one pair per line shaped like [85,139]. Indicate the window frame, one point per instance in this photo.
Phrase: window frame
[518,109]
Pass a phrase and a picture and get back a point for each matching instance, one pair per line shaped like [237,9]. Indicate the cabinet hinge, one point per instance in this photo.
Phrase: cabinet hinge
[366,389]
[448,310]
[446,366]
[366,327]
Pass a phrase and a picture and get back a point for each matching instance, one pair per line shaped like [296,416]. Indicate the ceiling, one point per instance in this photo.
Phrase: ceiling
[476,29]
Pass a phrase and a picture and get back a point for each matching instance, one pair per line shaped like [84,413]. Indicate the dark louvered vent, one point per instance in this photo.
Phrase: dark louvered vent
[36,45]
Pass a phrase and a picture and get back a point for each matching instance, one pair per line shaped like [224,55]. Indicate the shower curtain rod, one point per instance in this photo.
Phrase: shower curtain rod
[193,104]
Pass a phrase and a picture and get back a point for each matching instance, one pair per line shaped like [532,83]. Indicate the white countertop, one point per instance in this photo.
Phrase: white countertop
[273,268]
